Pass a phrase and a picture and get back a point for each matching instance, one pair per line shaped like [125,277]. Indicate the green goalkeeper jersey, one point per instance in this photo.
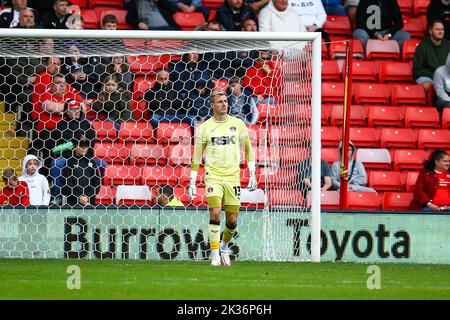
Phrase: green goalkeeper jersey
[222,142]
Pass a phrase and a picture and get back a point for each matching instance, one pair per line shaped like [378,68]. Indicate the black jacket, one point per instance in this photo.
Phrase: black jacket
[7,15]
[164,100]
[51,21]
[439,11]
[233,21]
[391,17]
[116,107]
[81,176]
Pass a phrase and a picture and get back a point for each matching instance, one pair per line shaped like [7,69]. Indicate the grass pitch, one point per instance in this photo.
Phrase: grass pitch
[176,280]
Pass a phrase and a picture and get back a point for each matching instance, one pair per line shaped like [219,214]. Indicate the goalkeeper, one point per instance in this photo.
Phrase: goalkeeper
[221,138]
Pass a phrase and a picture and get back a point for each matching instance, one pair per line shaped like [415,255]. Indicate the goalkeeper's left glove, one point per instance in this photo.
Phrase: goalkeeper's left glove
[252,184]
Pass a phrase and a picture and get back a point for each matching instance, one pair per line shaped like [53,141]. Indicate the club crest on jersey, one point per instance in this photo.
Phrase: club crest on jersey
[210,189]
[232,129]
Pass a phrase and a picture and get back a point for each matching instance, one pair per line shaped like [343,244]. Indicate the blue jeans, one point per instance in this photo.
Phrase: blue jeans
[335,10]
[400,36]
[56,168]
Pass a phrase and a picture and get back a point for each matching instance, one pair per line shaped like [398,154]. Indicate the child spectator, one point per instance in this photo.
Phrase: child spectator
[113,102]
[38,185]
[357,178]
[121,70]
[165,197]
[242,103]
[432,190]
[109,22]
[81,176]
[15,192]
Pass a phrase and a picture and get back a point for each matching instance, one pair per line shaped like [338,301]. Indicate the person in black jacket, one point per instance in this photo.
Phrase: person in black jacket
[387,26]
[58,18]
[233,13]
[81,176]
[9,17]
[164,102]
[440,10]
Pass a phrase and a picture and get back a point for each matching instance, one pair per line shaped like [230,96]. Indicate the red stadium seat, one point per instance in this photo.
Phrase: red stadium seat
[446,118]
[411,178]
[283,198]
[252,199]
[220,84]
[180,154]
[364,137]
[141,85]
[106,195]
[80,3]
[408,94]
[330,71]
[137,131]
[405,6]
[111,152]
[386,181]
[409,159]
[276,178]
[409,48]
[338,26]
[121,174]
[326,114]
[420,7]
[373,93]
[384,116]
[293,155]
[120,15]
[188,20]
[330,155]
[158,175]
[292,135]
[422,117]
[363,200]
[338,50]
[330,136]
[104,129]
[398,138]
[364,71]
[269,112]
[213,4]
[267,156]
[143,153]
[143,64]
[258,134]
[382,49]
[173,133]
[414,26]
[433,138]
[357,116]
[90,19]
[112,3]
[329,200]
[332,92]
[133,195]
[375,158]
[395,71]
[397,201]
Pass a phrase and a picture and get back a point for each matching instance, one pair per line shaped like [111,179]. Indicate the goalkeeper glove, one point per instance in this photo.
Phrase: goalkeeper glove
[252,184]
[192,190]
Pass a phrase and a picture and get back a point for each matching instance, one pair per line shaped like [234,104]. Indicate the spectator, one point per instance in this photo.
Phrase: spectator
[440,10]
[75,22]
[257,5]
[109,22]
[334,7]
[305,172]
[146,15]
[81,176]
[165,197]
[357,178]
[15,192]
[169,7]
[164,102]
[430,54]
[441,80]
[27,19]
[312,14]
[10,17]
[44,78]
[118,67]
[351,6]
[57,19]
[199,102]
[249,25]
[39,190]
[277,16]
[233,13]
[264,78]
[83,73]
[113,102]
[432,189]
[210,25]
[74,127]
[241,101]
[391,22]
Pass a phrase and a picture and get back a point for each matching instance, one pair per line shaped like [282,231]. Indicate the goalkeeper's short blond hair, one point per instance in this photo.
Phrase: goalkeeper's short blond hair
[217,93]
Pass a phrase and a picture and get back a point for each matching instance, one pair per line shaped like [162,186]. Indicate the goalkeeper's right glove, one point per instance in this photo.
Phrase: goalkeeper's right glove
[192,190]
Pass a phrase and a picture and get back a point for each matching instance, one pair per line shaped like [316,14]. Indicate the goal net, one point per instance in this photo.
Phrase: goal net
[97,141]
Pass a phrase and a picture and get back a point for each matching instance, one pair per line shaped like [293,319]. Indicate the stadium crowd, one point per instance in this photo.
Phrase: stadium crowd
[57,99]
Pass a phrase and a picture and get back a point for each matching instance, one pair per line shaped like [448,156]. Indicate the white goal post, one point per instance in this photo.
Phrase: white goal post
[216,38]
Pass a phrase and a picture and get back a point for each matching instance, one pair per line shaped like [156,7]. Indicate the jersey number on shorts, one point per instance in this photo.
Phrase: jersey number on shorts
[237,191]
